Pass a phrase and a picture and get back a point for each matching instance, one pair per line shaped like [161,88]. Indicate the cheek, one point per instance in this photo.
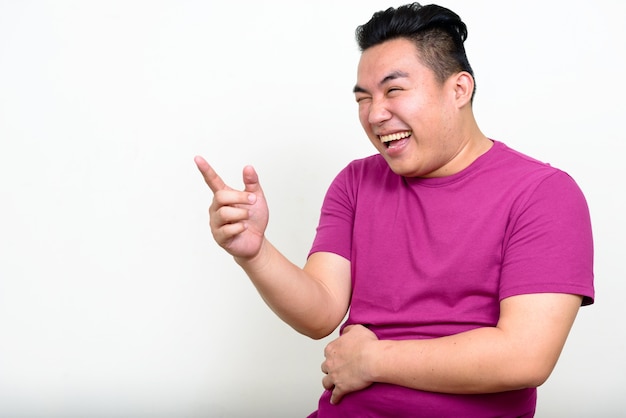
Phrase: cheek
[365,124]
[363,115]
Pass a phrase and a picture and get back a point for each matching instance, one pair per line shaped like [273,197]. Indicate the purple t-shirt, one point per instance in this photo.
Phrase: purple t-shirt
[434,257]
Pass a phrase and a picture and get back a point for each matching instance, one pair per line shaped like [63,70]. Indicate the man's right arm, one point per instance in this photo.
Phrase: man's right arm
[313,299]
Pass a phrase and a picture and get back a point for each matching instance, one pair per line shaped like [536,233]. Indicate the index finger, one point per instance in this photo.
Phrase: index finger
[211,178]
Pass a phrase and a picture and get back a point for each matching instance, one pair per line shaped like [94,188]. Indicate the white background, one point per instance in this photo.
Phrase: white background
[115,301]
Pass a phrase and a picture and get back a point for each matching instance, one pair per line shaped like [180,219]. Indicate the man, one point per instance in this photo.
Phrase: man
[463,262]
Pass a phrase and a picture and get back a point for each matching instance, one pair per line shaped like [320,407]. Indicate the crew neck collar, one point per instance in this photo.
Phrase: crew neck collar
[453,178]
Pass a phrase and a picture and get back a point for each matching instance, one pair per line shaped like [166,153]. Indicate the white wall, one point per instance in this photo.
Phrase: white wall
[114,300]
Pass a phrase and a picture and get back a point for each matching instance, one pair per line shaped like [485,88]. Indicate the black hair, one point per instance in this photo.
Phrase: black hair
[438,34]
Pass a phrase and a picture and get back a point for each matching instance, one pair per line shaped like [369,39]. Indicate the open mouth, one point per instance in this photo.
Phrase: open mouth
[390,139]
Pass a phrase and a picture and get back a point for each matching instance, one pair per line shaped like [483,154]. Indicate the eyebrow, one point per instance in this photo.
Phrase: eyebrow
[391,76]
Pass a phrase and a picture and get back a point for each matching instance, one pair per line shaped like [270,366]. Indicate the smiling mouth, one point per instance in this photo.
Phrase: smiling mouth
[388,140]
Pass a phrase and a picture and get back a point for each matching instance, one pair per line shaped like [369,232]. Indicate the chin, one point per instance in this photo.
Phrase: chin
[404,172]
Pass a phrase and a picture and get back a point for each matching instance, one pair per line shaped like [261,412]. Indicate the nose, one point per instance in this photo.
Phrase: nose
[378,112]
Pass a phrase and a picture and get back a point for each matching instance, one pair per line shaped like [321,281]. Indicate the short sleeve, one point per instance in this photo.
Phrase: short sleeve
[335,227]
[548,247]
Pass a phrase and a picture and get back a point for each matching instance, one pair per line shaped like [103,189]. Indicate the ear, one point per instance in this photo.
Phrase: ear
[463,88]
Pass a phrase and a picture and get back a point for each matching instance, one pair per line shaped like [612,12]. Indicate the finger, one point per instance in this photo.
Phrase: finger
[330,348]
[336,396]
[226,233]
[251,180]
[229,215]
[231,197]
[328,383]
[211,178]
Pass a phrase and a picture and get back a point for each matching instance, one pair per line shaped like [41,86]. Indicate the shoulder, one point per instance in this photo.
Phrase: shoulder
[525,172]
[363,171]
[519,184]
[517,162]
[373,164]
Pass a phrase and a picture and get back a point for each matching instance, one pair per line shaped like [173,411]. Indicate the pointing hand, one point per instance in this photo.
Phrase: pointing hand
[238,219]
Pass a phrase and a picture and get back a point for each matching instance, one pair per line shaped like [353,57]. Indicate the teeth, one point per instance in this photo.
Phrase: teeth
[395,137]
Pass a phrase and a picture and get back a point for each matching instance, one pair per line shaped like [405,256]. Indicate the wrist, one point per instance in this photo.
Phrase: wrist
[377,355]
[256,261]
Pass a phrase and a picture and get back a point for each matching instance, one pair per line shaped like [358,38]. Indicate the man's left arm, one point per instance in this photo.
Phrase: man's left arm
[519,352]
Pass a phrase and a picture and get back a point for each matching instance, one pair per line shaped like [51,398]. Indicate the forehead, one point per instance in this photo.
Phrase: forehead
[393,56]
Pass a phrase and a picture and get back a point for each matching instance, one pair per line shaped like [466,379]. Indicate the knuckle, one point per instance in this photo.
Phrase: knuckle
[220,198]
[328,352]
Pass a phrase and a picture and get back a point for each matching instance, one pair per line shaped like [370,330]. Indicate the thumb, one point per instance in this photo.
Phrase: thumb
[251,180]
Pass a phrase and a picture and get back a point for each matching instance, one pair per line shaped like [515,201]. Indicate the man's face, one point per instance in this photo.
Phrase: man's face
[409,116]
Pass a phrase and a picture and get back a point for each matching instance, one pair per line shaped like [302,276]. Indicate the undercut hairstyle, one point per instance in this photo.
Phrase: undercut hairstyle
[438,34]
